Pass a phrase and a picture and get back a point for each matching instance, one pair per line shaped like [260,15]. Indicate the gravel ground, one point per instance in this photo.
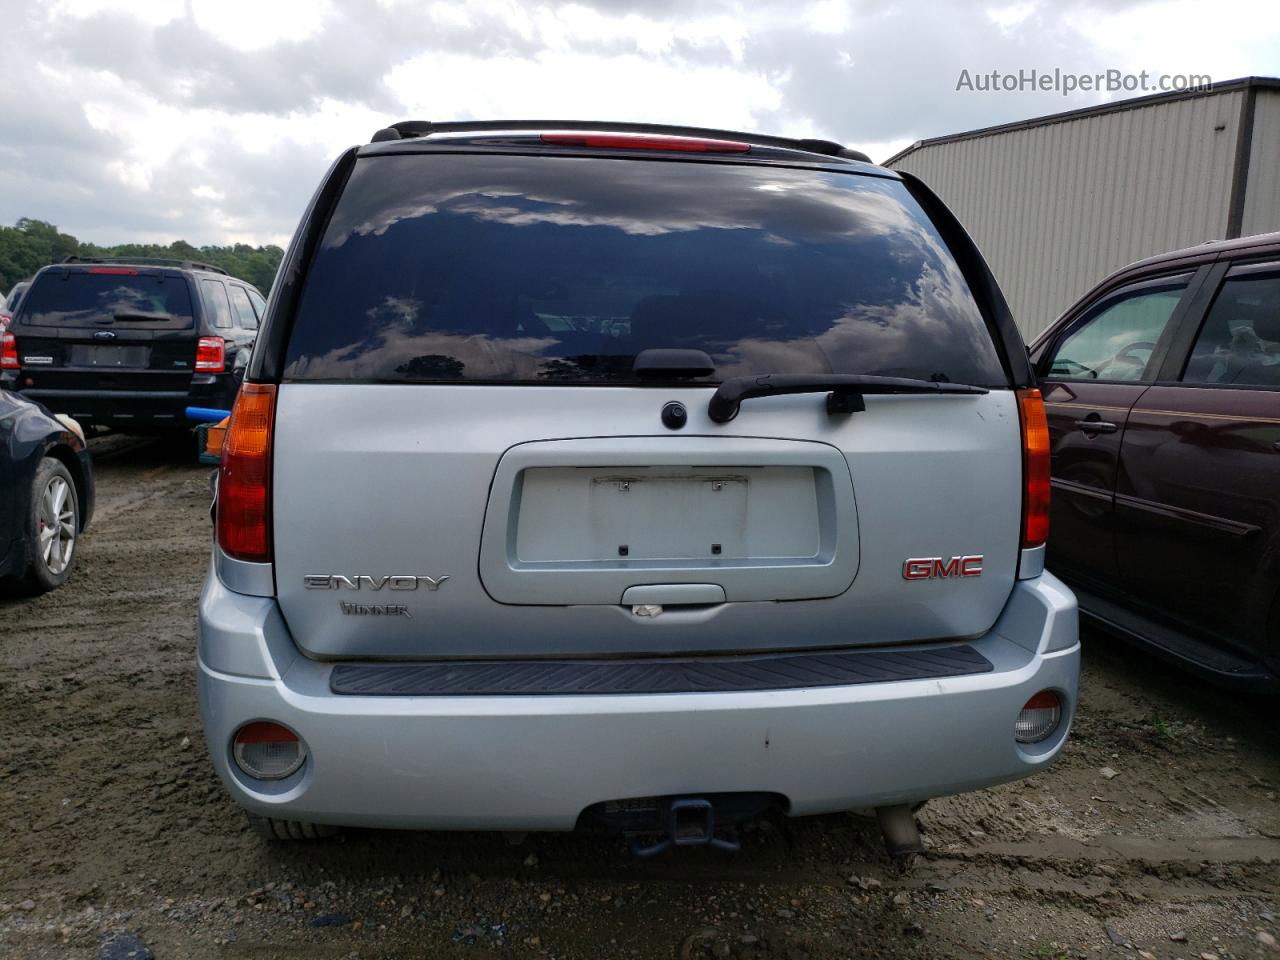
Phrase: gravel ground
[116,839]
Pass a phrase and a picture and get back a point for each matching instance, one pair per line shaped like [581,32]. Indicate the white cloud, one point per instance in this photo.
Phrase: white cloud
[571,84]
[153,12]
[828,16]
[213,119]
[1237,38]
[256,25]
[1011,16]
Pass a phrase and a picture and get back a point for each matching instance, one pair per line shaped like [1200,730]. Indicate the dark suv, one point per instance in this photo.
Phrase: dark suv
[130,344]
[1162,387]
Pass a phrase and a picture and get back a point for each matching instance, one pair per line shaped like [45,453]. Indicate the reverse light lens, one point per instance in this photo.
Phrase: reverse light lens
[244,478]
[211,355]
[1038,718]
[641,142]
[267,751]
[1035,468]
[8,351]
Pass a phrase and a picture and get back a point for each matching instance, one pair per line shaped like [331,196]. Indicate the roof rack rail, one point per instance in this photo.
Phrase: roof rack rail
[151,262]
[409,129]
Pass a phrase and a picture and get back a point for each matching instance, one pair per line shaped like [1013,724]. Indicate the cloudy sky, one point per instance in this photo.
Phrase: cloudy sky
[212,120]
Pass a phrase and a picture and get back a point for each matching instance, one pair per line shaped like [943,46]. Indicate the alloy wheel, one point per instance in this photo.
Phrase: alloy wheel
[56,525]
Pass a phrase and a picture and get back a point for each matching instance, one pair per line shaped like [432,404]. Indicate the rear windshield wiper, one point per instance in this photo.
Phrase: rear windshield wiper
[846,390]
[157,317]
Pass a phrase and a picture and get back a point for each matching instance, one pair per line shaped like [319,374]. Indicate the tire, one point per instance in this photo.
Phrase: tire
[273,829]
[51,528]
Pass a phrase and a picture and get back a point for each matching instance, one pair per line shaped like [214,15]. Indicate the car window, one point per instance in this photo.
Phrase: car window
[541,270]
[216,305]
[1116,340]
[15,298]
[1239,343]
[245,316]
[259,305]
[125,298]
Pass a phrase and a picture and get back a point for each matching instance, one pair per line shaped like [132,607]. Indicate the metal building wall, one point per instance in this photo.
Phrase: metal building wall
[1262,189]
[1056,207]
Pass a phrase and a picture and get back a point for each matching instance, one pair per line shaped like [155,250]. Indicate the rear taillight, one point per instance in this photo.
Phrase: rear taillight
[1038,718]
[211,355]
[244,479]
[9,351]
[267,751]
[632,141]
[1035,468]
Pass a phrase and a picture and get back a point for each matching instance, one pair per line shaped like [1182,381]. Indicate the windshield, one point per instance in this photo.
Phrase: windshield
[79,298]
[560,270]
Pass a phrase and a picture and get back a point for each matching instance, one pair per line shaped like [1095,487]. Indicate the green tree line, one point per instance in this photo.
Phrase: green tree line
[30,244]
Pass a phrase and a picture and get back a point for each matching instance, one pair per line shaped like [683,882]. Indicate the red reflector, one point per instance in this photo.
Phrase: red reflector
[1044,700]
[1035,468]
[8,351]
[264,732]
[244,478]
[633,141]
[211,355]
[268,751]
[1038,718]
[115,271]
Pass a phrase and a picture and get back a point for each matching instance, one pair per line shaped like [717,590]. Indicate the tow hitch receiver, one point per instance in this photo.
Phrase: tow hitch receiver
[690,822]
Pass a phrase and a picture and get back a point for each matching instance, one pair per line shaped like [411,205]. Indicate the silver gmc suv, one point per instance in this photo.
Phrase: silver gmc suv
[640,477]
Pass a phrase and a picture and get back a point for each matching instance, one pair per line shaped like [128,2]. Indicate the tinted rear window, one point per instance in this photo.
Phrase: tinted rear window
[560,270]
[78,298]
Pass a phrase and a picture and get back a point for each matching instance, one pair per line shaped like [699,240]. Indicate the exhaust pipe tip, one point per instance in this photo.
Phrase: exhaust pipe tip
[900,830]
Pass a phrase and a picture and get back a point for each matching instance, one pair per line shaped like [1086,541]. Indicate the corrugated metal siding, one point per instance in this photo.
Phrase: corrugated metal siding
[1056,208]
[1262,193]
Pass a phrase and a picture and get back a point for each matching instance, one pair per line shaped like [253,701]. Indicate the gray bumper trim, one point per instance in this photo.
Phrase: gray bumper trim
[69,394]
[650,675]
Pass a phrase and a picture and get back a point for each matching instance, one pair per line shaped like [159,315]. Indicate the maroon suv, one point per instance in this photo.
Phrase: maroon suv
[1162,387]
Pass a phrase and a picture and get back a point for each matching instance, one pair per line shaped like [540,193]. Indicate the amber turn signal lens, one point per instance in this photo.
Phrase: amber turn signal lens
[1035,468]
[244,478]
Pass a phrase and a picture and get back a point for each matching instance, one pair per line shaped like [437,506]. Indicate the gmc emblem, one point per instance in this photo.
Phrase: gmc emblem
[932,568]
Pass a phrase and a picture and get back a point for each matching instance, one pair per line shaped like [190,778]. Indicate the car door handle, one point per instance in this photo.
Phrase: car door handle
[1097,426]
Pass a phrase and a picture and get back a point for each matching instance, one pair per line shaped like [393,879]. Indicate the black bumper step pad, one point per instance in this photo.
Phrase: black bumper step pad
[706,674]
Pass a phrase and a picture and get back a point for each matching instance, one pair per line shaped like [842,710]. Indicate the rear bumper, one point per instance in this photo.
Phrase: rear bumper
[149,408]
[536,762]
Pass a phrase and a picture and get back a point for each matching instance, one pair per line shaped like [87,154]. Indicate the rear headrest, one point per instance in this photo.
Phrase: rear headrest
[1266,320]
[1262,316]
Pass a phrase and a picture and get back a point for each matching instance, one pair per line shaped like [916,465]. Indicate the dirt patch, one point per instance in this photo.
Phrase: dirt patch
[114,822]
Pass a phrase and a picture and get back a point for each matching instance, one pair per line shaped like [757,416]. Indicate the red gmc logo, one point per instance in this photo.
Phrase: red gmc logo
[930,568]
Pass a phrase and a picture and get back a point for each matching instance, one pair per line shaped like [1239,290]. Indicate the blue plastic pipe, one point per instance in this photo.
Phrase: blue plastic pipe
[206,414]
